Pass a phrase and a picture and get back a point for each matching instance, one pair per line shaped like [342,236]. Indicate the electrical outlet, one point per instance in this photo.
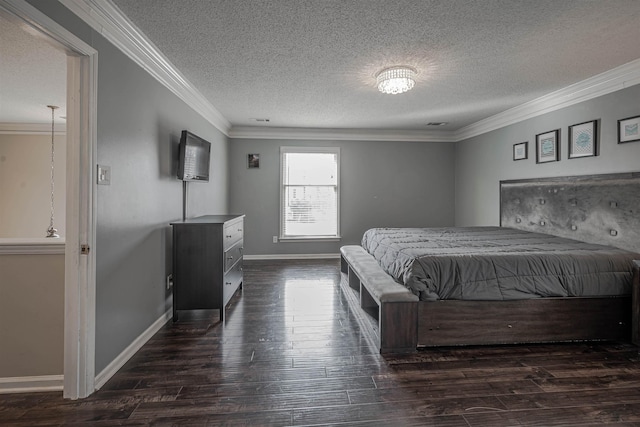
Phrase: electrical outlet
[275,239]
[169,281]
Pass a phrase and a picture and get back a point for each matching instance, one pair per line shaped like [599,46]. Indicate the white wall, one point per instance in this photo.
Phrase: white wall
[25,192]
[483,161]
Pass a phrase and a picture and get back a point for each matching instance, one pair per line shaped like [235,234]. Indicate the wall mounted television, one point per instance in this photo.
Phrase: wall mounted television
[194,158]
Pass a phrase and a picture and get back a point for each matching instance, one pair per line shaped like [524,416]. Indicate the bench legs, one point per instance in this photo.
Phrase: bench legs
[398,323]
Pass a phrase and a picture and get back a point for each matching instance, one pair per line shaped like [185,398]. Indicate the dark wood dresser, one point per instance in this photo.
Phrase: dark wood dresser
[207,262]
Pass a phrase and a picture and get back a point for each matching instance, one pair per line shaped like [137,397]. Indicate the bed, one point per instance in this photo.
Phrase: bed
[562,266]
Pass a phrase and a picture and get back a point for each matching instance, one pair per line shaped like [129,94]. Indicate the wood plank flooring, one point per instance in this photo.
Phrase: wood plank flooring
[291,353]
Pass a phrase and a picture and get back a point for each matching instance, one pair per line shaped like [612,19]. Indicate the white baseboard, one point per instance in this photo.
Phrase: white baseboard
[127,353]
[31,384]
[290,256]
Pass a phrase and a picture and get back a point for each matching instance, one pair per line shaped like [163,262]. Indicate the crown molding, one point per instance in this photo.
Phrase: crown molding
[105,17]
[263,132]
[31,129]
[109,21]
[618,78]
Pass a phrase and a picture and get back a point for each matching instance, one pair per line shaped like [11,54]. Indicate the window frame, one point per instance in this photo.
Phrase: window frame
[281,220]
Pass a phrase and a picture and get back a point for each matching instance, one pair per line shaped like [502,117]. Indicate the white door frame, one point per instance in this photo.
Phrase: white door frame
[80,279]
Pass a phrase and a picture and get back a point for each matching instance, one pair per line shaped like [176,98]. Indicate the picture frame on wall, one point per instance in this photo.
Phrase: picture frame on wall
[629,130]
[583,139]
[521,150]
[253,161]
[548,146]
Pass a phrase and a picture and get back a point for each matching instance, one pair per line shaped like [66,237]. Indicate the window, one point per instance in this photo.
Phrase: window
[309,194]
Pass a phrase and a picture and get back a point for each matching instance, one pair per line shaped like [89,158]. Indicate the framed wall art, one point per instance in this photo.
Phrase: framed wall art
[253,161]
[548,146]
[583,139]
[521,150]
[628,130]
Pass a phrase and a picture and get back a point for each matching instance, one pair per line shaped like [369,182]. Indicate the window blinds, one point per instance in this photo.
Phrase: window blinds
[309,198]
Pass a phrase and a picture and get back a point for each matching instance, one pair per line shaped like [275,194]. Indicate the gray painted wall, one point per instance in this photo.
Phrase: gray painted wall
[383,184]
[483,161]
[139,125]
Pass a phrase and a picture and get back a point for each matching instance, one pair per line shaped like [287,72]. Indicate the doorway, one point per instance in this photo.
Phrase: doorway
[79,293]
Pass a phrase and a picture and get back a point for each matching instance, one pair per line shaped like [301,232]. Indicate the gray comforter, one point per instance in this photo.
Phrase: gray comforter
[494,263]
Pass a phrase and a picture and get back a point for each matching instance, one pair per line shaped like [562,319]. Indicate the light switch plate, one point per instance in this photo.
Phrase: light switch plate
[104,175]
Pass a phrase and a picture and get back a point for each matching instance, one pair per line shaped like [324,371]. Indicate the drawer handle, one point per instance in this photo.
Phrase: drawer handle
[228,236]
[239,229]
[230,257]
[227,283]
[241,249]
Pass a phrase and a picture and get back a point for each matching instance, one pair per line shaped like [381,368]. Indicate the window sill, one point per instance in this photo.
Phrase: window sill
[309,239]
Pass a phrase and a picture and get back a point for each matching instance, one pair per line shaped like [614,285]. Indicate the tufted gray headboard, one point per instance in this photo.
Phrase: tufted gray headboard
[603,209]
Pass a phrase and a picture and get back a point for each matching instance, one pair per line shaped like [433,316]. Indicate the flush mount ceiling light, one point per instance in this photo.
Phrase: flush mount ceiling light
[398,79]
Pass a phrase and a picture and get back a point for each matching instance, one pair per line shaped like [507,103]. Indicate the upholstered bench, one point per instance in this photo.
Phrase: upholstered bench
[395,303]
[366,271]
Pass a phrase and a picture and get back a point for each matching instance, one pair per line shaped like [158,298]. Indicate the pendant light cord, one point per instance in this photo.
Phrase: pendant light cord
[51,231]
[52,166]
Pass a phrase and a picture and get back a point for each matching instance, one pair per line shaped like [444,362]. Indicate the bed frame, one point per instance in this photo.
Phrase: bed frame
[601,209]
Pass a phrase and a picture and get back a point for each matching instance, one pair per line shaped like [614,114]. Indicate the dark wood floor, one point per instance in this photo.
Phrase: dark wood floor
[291,353]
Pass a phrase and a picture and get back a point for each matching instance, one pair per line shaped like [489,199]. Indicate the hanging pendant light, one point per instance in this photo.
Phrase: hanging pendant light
[52,231]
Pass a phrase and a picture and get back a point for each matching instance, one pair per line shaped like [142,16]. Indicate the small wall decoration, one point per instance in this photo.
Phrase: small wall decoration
[583,139]
[628,130]
[548,146]
[521,150]
[253,161]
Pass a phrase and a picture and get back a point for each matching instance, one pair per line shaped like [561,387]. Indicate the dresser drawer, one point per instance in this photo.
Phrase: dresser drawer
[233,255]
[232,280]
[232,233]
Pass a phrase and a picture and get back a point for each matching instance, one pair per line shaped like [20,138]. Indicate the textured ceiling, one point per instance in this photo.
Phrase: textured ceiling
[32,75]
[311,63]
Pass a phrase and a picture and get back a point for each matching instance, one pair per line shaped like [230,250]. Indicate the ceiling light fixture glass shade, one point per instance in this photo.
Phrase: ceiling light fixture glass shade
[395,80]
